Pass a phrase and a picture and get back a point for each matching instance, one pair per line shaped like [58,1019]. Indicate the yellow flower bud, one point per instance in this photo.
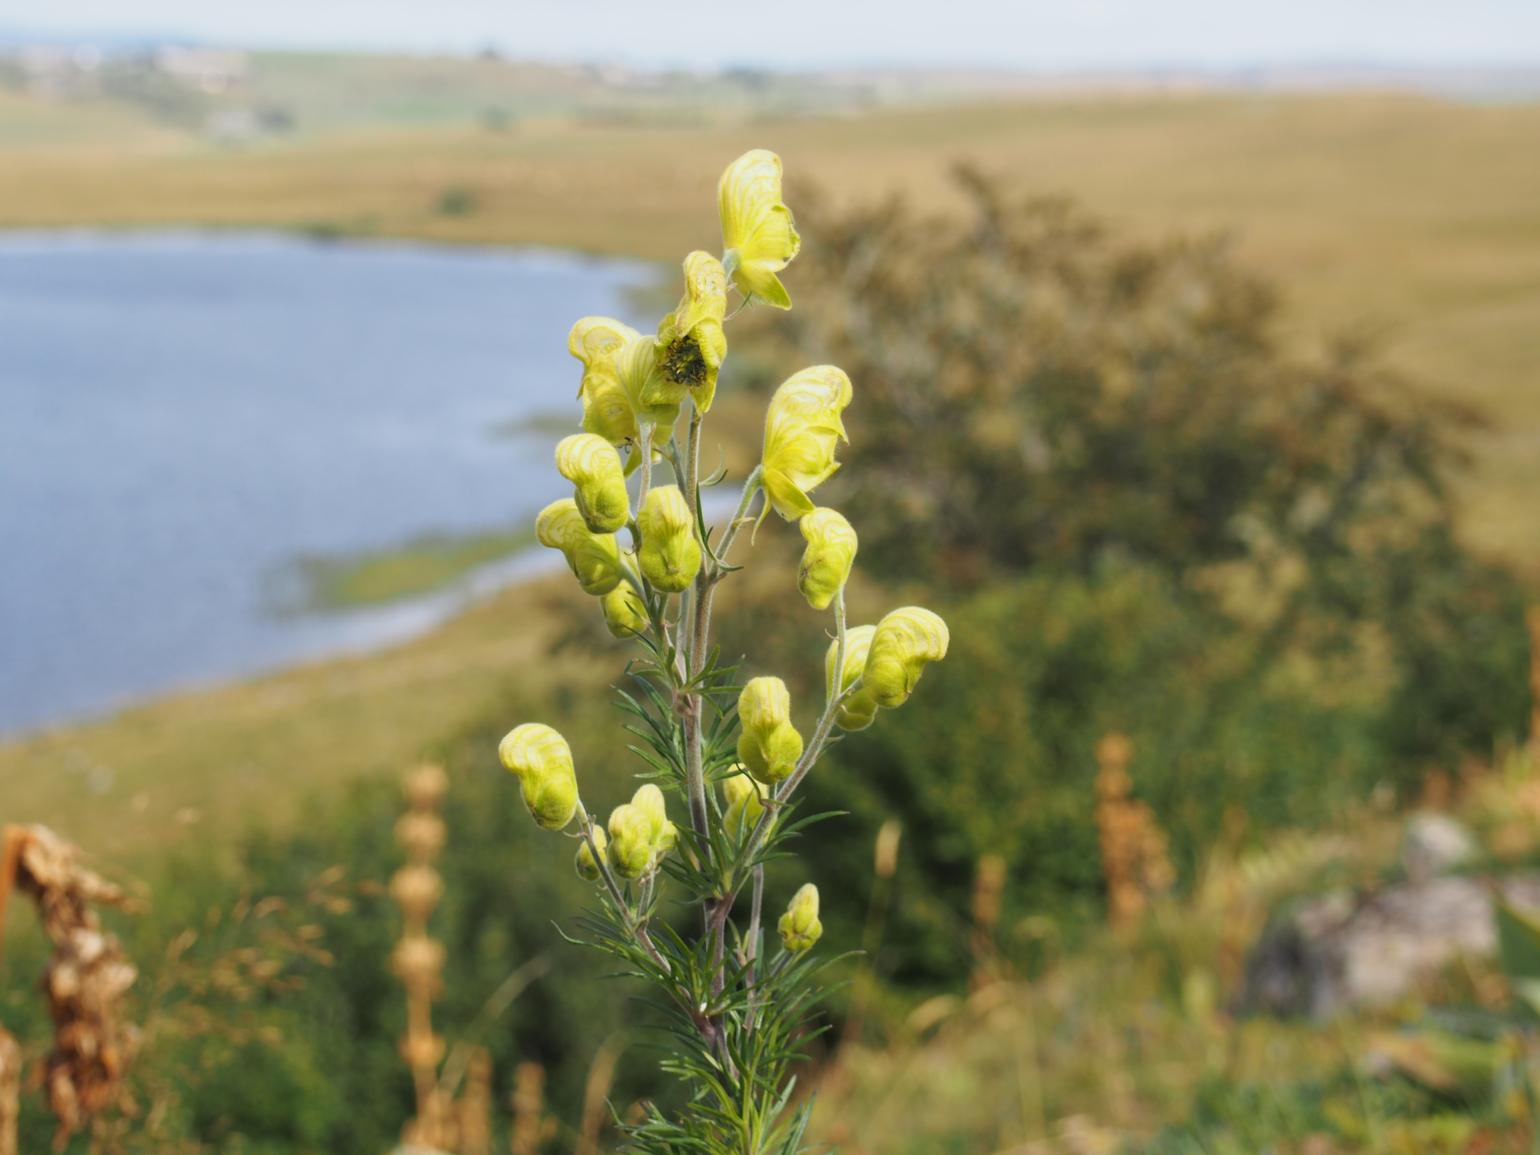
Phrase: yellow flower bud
[745,803]
[769,744]
[831,551]
[857,711]
[607,411]
[803,427]
[758,236]
[542,761]
[592,465]
[669,556]
[906,639]
[594,558]
[640,833]
[691,337]
[624,613]
[649,800]
[799,926]
[587,868]
[630,847]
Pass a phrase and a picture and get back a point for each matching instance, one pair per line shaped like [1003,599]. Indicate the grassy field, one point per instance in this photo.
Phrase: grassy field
[1413,220]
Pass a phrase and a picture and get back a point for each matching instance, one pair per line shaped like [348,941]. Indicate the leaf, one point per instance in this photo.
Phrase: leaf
[1518,943]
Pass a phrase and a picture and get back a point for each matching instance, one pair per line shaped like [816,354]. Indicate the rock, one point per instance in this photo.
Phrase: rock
[1434,845]
[1335,952]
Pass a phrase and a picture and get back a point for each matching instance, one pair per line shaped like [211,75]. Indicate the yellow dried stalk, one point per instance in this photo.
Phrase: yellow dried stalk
[418,960]
[528,1109]
[10,1092]
[1135,861]
[86,977]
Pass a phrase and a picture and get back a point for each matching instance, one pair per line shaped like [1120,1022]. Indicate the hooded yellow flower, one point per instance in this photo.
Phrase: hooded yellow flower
[607,412]
[542,762]
[831,551]
[803,427]
[640,833]
[587,866]
[857,711]
[759,237]
[592,465]
[624,613]
[623,381]
[905,641]
[691,338]
[670,556]
[594,558]
[799,926]
[745,802]
[769,744]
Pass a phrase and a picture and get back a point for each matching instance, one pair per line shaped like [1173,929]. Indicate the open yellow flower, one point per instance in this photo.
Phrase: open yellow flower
[905,641]
[691,338]
[831,551]
[803,427]
[594,558]
[607,412]
[623,383]
[542,761]
[759,237]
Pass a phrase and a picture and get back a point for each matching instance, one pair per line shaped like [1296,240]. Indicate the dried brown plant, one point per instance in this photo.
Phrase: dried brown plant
[85,979]
[1136,864]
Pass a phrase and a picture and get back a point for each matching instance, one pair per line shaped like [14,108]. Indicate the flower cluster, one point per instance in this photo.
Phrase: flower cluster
[730,755]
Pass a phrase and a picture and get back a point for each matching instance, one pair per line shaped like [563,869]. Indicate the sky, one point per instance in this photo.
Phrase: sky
[1034,34]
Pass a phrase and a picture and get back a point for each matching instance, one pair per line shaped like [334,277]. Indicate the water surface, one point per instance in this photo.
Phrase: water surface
[182,416]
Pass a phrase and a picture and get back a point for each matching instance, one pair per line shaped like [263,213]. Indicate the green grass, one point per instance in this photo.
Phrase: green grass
[425,564]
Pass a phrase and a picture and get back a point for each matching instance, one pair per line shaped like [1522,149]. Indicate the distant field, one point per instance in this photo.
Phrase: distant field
[1406,217]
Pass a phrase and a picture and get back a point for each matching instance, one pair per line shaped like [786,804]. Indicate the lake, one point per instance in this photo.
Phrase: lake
[183,417]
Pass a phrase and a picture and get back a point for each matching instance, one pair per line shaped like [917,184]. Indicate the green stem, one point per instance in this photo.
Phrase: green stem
[637,927]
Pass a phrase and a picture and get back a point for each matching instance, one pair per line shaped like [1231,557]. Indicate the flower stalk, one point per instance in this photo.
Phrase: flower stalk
[728,753]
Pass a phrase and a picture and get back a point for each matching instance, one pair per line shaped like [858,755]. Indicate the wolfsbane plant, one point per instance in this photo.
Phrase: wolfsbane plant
[731,757]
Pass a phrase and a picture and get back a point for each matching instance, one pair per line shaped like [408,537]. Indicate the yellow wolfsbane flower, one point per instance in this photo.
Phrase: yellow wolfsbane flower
[831,551]
[768,744]
[799,926]
[691,338]
[587,867]
[592,465]
[607,411]
[857,711]
[630,846]
[905,641]
[803,427]
[594,558]
[624,613]
[649,800]
[542,761]
[759,237]
[745,803]
[669,556]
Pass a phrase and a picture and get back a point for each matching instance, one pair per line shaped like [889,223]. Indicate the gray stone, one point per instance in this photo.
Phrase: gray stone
[1434,845]
[1339,951]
